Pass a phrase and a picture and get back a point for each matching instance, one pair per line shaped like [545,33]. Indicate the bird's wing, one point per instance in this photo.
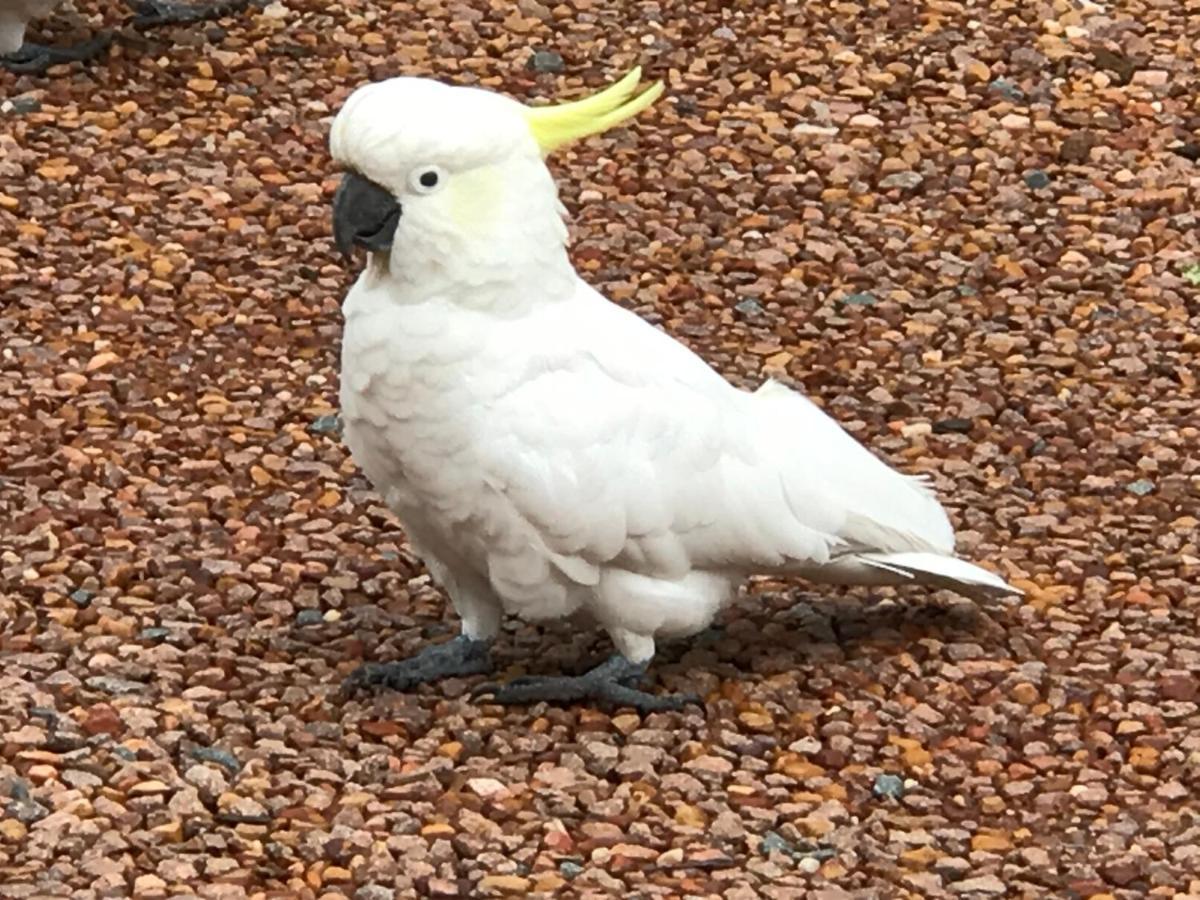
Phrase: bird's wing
[884,509]
[619,446]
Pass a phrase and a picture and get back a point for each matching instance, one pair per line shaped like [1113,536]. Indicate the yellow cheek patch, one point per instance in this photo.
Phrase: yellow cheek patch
[554,126]
[475,198]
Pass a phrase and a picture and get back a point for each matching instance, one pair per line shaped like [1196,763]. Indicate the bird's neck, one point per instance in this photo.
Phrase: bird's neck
[504,285]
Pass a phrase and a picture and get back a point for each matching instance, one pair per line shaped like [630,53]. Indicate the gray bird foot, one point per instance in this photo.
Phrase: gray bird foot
[35,59]
[156,13]
[609,682]
[461,656]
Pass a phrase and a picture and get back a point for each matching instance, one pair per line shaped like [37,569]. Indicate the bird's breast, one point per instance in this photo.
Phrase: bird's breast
[410,400]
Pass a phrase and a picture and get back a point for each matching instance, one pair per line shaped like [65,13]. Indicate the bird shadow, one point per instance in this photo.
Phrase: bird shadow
[807,638]
[764,635]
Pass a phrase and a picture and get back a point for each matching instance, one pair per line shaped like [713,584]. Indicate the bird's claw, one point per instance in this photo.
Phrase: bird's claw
[35,59]
[608,683]
[460,656]
[397,676]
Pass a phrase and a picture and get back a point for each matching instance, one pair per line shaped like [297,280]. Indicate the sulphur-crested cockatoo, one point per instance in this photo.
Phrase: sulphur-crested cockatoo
[548,452]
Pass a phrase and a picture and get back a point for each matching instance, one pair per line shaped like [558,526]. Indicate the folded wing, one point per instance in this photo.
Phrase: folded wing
[620,447]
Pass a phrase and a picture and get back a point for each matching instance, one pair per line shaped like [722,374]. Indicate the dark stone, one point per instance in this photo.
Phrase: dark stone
[1122,871]
[18,789]
[773,842]
[749,308]
[222,758]
[309,617]
[887,786]
[82,598]
[22,105]
[26,811]
[1190,152]
[331,424]
[952,426]
[569,868]
[1077,146]
[545,61]
[1141,487]
[1037,179]
[154,633]
[23,807]
[1007,90]
[1117,63]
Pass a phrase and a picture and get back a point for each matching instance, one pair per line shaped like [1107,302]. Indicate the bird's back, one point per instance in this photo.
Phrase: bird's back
[699,474]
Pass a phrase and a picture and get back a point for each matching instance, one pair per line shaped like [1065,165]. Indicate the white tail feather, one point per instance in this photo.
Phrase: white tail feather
[942,571]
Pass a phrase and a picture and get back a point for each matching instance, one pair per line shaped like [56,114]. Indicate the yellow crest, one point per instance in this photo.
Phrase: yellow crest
[554,126]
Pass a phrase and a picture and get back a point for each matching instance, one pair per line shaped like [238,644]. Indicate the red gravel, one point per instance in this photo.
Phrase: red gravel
[967,229]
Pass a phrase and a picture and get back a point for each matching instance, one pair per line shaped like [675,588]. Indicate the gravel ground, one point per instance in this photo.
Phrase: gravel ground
[966,229]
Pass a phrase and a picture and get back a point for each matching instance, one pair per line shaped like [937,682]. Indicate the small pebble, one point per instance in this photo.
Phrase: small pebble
[1007,89]
[570,869]
[1036,179]
[330,424]
[952,426]
[26,811]
[903,180]
[859,299]
[1141,487]
[888,786]
[772,843]
[21,105]
[221,757]
[546,61]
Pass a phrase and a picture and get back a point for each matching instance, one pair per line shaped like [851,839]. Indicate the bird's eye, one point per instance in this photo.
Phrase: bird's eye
[427,179]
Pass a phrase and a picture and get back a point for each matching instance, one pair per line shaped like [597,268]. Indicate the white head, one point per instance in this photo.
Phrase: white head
[447,185]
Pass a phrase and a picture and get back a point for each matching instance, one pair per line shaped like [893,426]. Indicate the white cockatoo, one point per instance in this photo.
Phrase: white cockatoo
[548,452]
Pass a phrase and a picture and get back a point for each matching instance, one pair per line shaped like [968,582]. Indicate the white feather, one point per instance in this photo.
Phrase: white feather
[561,453]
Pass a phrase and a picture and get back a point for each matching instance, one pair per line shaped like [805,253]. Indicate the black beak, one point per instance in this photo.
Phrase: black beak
[364,215]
